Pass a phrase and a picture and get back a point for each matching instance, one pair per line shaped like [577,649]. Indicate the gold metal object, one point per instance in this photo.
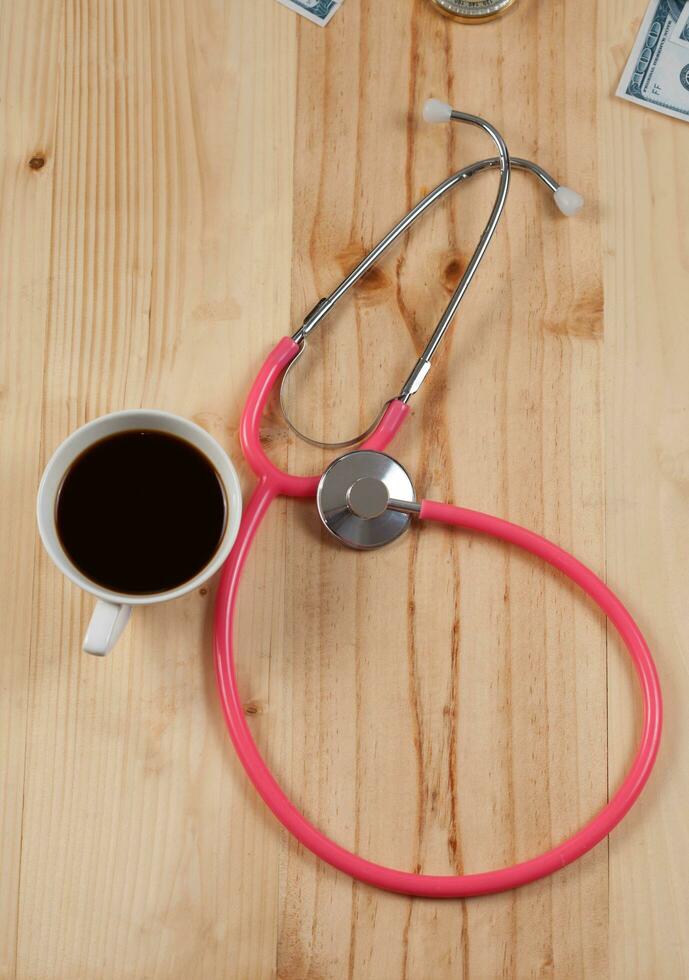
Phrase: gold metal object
[472,11]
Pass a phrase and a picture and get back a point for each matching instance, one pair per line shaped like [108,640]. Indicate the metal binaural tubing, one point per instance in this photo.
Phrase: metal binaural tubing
[423,365]
[323,307]
[516,163]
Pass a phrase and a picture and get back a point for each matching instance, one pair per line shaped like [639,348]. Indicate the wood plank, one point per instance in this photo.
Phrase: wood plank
[143,853]
[647,514]
[448,697]
[30,39]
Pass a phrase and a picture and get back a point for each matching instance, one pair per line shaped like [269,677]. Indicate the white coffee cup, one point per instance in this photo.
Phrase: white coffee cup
[113,609]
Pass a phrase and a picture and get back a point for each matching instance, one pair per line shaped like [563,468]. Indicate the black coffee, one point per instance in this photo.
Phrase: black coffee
[141,512]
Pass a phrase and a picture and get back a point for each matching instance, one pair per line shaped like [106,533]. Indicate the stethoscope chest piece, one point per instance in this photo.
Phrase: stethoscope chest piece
[365,499]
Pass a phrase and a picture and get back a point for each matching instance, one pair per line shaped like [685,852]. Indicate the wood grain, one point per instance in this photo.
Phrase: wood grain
[180,182]
[646,239]
[484,761]
[29,108]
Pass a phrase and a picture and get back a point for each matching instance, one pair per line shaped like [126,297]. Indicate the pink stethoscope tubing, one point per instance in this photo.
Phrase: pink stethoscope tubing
[272,483]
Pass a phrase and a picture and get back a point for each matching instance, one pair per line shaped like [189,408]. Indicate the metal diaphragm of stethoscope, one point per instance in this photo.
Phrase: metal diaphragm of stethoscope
[366,499]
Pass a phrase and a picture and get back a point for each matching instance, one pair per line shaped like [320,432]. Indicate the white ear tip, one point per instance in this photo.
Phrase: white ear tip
[435,111]
[568,201]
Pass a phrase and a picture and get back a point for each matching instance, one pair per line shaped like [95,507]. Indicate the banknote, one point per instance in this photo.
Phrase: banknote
[319,11]
[657,73]
[680,34]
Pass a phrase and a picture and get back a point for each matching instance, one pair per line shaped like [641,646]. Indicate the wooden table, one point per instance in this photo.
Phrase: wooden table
[181,181]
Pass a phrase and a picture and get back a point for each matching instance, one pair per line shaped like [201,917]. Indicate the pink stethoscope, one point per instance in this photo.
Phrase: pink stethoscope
[366,499]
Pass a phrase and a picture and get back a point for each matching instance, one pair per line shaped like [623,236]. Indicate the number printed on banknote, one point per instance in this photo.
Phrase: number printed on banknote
[657,73]
[318,11]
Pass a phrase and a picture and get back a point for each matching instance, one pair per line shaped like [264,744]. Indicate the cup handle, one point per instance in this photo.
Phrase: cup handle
[104,630]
